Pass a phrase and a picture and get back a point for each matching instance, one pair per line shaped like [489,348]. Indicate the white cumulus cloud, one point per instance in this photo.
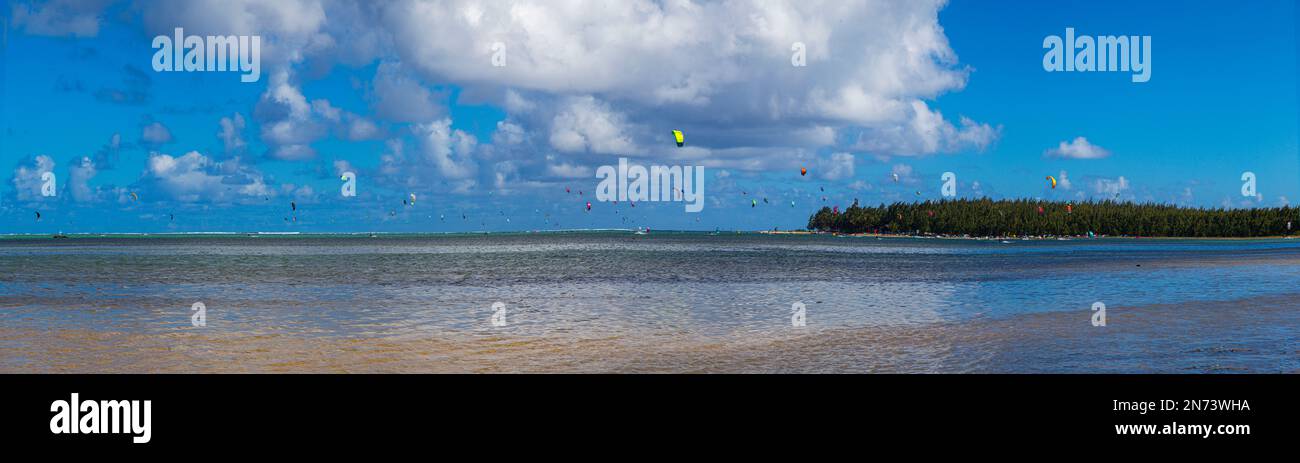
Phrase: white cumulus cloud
[1110,188]
[231,133]
[27,177]
[1079,148]
[450,150]
[194,177]
[155,133]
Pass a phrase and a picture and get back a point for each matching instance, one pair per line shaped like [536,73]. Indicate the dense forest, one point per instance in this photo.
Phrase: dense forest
[986,217]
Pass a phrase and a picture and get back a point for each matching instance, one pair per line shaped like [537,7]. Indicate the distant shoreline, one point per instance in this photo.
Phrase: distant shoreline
[1039,219]
[1026,238]
[364,235]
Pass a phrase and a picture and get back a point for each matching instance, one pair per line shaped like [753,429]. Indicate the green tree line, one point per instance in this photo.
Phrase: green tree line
[1024,217]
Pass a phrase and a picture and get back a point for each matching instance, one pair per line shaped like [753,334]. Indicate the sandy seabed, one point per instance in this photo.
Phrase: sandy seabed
[1181,339]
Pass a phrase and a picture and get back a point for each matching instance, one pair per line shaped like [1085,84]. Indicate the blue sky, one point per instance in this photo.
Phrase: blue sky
[404,94]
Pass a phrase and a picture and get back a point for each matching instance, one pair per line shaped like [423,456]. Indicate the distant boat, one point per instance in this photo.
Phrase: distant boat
[60,236]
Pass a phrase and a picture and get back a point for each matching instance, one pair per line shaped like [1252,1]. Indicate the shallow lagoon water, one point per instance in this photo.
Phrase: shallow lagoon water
[663,302]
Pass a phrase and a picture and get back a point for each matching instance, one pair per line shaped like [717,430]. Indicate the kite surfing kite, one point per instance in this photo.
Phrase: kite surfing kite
[679,138]
[1052,180]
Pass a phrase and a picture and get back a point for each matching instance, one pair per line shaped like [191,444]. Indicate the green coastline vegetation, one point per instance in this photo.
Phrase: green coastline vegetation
[1024,217]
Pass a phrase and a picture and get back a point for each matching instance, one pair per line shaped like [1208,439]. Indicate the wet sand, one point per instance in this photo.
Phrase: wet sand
[1162,339]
